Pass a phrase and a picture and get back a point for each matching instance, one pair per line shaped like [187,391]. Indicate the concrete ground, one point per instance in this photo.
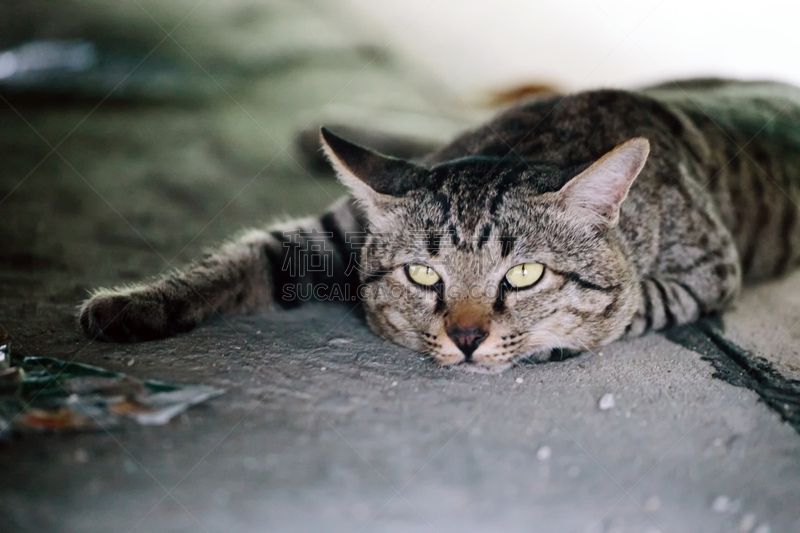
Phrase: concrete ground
[324,426]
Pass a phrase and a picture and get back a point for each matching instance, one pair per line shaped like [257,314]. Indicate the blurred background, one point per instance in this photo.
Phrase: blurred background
[469,45]
[582,44]
[144,112]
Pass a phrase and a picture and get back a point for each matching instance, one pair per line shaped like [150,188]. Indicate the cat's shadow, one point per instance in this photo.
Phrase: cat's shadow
[676,334]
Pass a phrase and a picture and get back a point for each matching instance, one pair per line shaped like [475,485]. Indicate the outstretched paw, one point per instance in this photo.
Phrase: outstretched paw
[128,316]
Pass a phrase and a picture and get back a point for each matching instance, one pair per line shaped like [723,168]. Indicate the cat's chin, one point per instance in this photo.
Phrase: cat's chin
[475,368]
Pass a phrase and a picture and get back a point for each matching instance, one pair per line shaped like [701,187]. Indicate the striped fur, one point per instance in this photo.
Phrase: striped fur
[255,271]
[716,203]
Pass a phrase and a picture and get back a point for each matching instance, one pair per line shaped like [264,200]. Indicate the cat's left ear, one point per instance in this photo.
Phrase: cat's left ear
[367,173]
[596,194]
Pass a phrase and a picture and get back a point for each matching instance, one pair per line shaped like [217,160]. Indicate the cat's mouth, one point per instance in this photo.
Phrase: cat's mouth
[459,362]
[494,357]
[479,365]
[500,355]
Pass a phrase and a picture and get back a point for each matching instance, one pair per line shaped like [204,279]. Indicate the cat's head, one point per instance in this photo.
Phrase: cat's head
[484,261]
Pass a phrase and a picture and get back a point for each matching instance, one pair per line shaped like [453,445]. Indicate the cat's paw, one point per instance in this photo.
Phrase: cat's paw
[127,316]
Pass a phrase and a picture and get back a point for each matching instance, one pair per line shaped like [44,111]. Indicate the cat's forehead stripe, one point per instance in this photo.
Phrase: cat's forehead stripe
[454,235]
[434,240]
[443,200]
[505,183]
[485,234]
[506,244]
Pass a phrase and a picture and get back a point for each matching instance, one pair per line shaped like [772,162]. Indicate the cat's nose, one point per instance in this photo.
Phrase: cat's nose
[467,339]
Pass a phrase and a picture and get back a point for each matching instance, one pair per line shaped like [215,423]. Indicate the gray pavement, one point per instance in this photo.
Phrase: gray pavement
[324,426]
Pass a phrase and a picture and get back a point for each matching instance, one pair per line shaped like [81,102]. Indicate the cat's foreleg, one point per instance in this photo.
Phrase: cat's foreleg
[283,266]
[668,302]
[234,278]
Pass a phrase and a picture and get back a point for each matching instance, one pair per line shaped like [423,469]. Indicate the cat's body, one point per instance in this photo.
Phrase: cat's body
[539,192]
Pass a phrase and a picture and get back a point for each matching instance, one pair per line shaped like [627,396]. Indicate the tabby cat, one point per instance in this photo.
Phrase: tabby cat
[565,222]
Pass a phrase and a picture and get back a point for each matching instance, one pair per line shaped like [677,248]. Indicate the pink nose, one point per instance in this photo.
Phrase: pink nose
[467,339]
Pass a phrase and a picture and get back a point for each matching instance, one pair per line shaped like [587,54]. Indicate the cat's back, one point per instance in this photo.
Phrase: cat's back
[735,112]
[699,114]
[731,101]
[752,171]
[568,130]
[733,143]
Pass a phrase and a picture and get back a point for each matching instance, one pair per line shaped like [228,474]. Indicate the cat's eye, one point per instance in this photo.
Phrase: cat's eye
[524,275]
[423,275]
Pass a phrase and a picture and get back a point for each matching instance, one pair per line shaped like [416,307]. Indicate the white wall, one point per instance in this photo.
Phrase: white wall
[475,45]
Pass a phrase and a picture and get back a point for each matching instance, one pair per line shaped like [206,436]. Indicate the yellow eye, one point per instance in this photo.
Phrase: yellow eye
[423,274]
[524,275]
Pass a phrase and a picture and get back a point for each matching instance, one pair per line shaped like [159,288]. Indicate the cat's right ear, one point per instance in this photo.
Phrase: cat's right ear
[597,193]
[366,172]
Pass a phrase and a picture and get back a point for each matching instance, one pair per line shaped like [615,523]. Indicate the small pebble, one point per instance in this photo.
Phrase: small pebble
[606,402]
[394,384]
[129,466]
[652,504]
[131,362]
[747,523]
[81,456]
[519,380]
[324,368]
[544,453]
[721,504]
